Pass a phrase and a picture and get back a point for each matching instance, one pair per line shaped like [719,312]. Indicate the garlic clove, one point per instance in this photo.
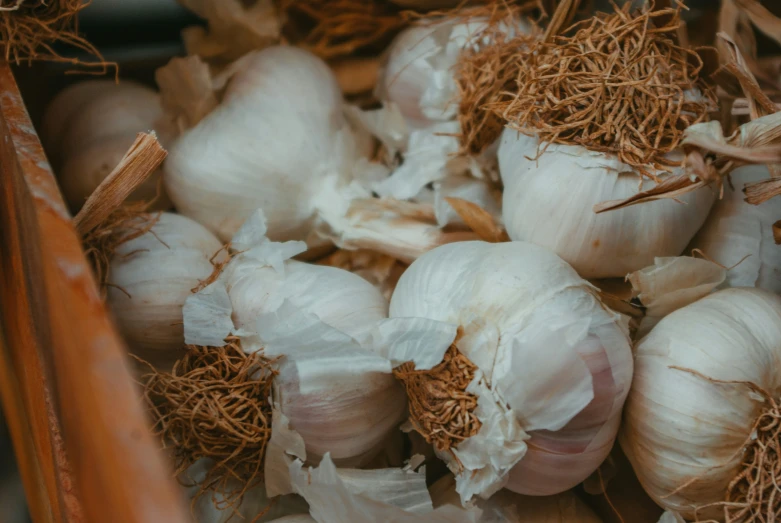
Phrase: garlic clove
[549,201]
[151,277]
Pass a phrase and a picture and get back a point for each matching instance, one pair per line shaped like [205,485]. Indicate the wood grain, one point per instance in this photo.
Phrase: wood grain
[66,355]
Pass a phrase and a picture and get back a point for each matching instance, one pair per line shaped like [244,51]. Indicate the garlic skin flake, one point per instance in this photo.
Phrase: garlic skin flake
[549,202]
[158,270]
[508,507]
[736,229]
[678,423]
[554,364]
[278,133]
[335,390]
[335,497]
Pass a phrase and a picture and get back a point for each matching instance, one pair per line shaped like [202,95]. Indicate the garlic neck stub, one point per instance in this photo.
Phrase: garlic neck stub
[508,507]
[736,229]
[278,133]
[525,321]
[151,276]
[703,377]
[549,201]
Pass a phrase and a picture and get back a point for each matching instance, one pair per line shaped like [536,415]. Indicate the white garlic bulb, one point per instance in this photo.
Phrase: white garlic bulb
[550,202]
[419,73]
[509,507]
[336,392]
[89,127]
[736,229]
[553,364]
[277,134]
[151,276]
[691,413]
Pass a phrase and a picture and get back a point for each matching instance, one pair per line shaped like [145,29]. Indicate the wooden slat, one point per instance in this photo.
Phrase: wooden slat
[62,345]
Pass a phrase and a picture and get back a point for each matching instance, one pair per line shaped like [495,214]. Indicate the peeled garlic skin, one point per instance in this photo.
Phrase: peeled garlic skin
[549,202]
[508,507]
[736,228]
[350,419]
[678,426]
[159,277]
[498,293]
[270,142]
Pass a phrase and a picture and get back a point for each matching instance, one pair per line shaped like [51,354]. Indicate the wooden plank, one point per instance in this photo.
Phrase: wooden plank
[61,342]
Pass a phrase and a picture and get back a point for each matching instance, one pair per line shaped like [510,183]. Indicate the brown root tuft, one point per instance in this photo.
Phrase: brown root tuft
[755,493]
[29,30]
[215,404]
[338,28]
[616,84]
[440,408]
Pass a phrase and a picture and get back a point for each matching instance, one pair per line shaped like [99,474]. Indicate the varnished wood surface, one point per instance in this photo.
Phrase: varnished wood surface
[69,373]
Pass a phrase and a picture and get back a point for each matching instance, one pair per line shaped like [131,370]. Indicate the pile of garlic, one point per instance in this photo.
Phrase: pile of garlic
[419,373]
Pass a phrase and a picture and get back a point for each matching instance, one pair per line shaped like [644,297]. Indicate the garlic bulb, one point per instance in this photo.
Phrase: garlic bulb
[551,365]
[277,134]
[89,127]
[736,229]
[151,276]
[700,381]
[419,73]
[336,392]
[508,507]
[549,202]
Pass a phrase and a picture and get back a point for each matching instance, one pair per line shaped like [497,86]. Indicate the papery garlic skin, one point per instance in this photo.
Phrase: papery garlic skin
[279,131]
[89,127]
[508,507]
[158,270]
[549,202]
[351,417]
[512,301]
[679,426]
[736,229]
